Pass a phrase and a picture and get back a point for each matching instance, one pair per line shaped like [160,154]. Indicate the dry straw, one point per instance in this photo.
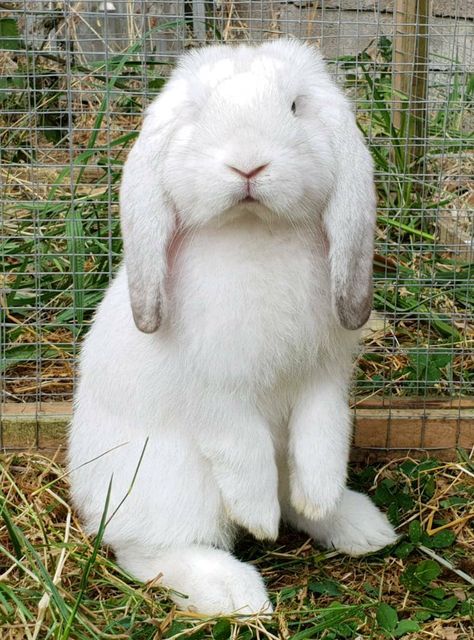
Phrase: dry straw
[425,582]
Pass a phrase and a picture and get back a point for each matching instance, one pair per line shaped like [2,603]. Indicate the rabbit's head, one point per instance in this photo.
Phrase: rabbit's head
[257,131]
[250,137]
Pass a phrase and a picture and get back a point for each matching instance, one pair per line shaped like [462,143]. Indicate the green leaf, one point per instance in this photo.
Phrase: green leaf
[441,359]
[404,549]
[428,465]
[47,581]
[11,594]
[222,630]
[11,528]
[428,486]
[245,635]
[418,577]
[440,540]
[422,615]
[175,628]
[288,593]
[392,514]
[439,606]
[383,496]
[391,495]
[453,501]
[9,34]
[406,626]
[88,566]
[325,587]
[408,467]
[386,617]
[427,571]
[156,84]
[467,608]
[370,590]
[334,616]
[415,531]
[25,353]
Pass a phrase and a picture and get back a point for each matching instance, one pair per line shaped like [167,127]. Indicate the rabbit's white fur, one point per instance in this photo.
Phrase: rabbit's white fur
[230,402]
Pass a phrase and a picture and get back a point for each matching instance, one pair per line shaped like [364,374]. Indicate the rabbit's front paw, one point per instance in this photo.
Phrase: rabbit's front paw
[316,495]
[260,517]
[250,496]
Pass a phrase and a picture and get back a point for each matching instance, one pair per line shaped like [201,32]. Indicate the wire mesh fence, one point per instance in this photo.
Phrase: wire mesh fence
[75,77]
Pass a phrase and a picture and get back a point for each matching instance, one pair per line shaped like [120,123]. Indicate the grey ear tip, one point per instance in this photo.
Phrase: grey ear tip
[353,319]
[354,323]
[146,325]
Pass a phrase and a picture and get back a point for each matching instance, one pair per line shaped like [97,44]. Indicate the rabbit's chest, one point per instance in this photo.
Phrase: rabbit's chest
[252,306]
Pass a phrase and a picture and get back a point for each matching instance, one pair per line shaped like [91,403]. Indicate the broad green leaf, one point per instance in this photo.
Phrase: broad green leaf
[439,606]
[9,34]
[325,587]
[415,531]
[422,615]
[440,540]
[404,549]
[406,626]
[386,617]
[427,571]
[175,628]
[417,577]
[222,630]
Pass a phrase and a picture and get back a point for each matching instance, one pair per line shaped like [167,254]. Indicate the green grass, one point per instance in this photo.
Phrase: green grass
[57,584]
[69,233]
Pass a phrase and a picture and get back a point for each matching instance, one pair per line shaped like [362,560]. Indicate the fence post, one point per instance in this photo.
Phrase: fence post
[410,77]
[199,21]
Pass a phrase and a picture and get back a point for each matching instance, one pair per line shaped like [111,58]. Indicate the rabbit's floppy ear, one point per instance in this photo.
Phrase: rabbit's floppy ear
[147,216]
[349,221]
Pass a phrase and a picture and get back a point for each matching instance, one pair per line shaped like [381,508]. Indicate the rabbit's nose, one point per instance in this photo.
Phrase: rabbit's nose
[249,174]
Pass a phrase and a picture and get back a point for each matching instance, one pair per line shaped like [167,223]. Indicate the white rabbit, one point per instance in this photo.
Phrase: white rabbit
[214,380]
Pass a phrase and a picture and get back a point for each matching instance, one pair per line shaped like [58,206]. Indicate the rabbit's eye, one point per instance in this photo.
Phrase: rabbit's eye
[293,107]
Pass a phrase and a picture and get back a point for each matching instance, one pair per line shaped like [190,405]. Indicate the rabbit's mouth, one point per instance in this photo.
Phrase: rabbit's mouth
[255,207]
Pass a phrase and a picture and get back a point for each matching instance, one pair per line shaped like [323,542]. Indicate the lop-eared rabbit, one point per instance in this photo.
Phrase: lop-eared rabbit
[214,380]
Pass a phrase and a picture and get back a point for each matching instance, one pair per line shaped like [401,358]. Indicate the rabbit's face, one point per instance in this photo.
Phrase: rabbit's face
[250,142]
[255,131]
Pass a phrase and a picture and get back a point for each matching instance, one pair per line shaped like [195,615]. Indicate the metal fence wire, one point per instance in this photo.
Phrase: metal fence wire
[75,77]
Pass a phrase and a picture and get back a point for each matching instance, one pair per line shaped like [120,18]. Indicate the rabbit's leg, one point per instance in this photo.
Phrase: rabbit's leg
[319,438]
[355,527]
[237,442]
[202,579]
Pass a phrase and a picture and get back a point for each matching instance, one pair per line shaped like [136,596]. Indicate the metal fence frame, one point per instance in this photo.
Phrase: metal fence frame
[74,79]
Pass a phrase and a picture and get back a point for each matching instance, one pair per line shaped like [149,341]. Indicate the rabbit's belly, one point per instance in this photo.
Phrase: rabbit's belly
[253,315]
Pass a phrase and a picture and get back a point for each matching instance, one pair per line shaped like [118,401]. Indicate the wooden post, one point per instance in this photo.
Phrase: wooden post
[410,77]
[199,21]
